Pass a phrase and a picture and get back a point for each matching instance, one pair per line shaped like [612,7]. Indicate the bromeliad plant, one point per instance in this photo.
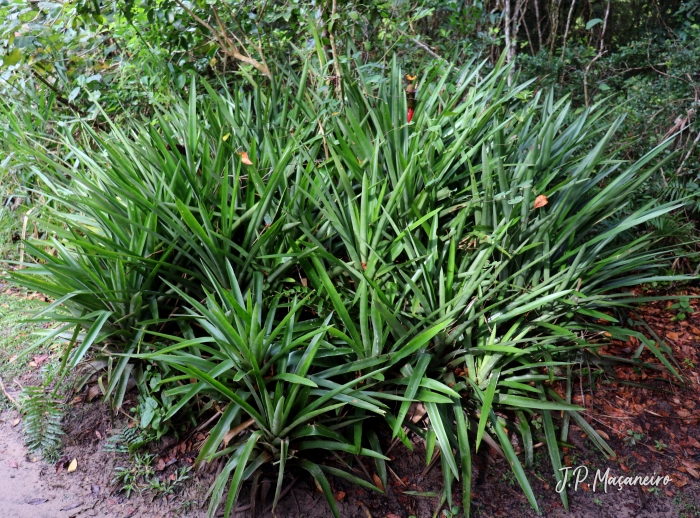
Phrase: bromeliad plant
[281,380]
[494,223]
[314,265]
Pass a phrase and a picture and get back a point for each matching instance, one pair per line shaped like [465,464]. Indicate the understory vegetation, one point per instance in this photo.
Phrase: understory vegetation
[304,222]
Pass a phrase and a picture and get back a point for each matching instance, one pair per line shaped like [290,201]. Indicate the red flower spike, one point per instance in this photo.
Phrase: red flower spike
[410,114]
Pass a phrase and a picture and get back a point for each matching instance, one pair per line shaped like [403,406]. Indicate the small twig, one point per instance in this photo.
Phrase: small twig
[364,469]
[690,150]
[423,46]
[283,494]
[334,51]
[7,395]
[397,477]
[325,143]
[227,45]
[690,418]
[59,97]
[391,447]
[430,466]
[598,56]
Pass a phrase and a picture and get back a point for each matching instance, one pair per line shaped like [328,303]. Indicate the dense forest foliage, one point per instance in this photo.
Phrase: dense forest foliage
[66,59]
[314,213]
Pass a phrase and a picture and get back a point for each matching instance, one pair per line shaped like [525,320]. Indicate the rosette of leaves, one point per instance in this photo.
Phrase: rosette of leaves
[283,386]
[433,252]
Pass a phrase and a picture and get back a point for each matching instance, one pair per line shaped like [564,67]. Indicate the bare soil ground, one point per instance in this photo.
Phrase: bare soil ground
[31,488]
[622,401]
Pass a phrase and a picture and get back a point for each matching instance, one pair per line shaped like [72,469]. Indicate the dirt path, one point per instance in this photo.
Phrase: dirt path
[627,402]
[29,488]
[23,492]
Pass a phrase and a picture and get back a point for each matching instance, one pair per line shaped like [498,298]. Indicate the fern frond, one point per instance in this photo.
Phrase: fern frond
[129,440]
[42,422]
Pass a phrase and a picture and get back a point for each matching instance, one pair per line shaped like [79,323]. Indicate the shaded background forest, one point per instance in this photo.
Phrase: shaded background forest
[63,59]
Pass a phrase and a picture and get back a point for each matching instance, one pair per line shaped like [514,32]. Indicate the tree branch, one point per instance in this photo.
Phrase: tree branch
[227,45]
[59,96]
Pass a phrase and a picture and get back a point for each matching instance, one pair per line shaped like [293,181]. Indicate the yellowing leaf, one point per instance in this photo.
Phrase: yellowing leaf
[235,431]
[245,159]
[410,77]
[73,466]
[12,58]
[225,137]
[541,201]
[212,62]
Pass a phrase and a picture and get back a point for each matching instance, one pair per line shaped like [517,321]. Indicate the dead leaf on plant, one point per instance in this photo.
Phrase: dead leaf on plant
[235,431]
[93,392]
[244,158]
[540,201]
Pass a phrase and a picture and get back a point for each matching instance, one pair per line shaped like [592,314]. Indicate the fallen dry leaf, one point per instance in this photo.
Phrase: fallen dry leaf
[41,358]
[73,466]
[603,435]
[244,158]
[93,392]
[540,201]
[679,480]
[15,422]
[62,463]
[378,482]
[339,495]
[692,441]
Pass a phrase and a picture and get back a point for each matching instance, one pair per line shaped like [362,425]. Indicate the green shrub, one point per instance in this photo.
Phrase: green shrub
[316,266]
